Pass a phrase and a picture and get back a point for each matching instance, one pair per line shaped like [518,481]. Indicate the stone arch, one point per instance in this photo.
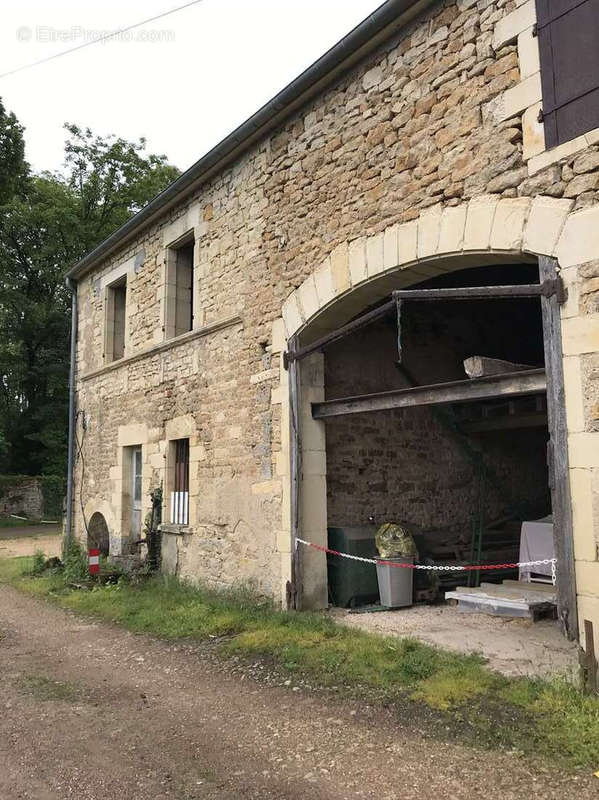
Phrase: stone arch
[485,229]
[98,535]
[362,271]
[103,529]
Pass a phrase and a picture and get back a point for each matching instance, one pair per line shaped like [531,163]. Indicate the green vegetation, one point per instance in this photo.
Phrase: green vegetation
[39,563]
[48,221]
[75,562]
[54,488]
[12,522]
[446,693]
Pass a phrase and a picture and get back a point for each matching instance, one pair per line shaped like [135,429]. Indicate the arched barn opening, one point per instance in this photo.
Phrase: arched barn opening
[428,407]
[97,534]
[461,476]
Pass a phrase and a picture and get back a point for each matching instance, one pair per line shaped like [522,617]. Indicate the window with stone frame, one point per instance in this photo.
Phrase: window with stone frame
[568,34]
[115,320]
[179,310]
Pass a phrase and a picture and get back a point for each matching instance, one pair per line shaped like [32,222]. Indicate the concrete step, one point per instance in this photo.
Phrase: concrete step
[508,599]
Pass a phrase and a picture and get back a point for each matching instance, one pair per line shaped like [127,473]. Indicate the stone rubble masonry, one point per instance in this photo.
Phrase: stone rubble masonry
[21,495]
[525,97]
[405,167]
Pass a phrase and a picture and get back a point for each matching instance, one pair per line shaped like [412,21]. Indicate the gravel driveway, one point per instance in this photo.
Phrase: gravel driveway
[90,711]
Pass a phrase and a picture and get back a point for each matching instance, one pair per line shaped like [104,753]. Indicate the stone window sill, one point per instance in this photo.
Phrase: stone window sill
[176,530]
[548,157]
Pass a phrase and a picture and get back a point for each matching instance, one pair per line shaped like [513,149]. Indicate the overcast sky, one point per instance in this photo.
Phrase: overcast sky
[184,81]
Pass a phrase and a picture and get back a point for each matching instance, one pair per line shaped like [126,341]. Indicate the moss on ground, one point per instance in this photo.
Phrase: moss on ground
[551,719]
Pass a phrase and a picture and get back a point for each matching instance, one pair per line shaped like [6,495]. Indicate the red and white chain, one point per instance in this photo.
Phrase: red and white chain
[438,567]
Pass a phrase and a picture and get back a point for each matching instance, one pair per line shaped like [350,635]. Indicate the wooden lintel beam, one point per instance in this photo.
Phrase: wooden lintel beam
[513,385]
[481,366]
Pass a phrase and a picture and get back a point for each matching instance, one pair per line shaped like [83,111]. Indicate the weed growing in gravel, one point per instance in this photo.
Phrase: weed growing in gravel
[75,562]
[39,562]
[552,719]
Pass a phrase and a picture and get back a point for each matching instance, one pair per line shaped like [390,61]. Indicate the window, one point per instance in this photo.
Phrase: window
[179,289]
[568,32]
[136,467]
[131,497]
[180,482]
[116,320]
[135,478]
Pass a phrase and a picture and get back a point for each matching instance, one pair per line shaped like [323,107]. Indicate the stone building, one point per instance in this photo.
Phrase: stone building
[412,154]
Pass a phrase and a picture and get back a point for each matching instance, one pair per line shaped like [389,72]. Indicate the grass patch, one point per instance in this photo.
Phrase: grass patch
[42,688]
[456,685]
[11,569]
[13,522]
[457,692]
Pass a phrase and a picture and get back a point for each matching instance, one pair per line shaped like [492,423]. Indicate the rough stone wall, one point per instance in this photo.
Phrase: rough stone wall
[408,465]
[22,496]
[416,125]
[405,467]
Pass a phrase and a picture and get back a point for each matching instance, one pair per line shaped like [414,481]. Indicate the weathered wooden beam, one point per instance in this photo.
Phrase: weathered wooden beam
[590,657]
[365,319]
[482,366]
[295,586]
[550,287]
[563,537]
[514,385]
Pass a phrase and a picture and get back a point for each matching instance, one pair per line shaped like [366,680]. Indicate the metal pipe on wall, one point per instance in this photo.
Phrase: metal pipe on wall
[72,410]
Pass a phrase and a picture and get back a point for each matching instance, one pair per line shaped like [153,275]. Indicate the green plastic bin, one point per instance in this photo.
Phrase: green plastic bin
[352,583]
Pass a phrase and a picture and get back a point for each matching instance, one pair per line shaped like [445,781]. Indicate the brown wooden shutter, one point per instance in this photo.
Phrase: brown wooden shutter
[568,32]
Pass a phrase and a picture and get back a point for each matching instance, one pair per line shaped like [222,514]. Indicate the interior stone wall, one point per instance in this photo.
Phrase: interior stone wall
[408,465]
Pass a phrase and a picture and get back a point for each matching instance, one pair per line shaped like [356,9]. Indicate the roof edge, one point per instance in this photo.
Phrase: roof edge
[356,45]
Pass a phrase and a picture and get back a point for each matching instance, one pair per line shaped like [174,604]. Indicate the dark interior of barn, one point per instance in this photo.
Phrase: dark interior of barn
[461,477]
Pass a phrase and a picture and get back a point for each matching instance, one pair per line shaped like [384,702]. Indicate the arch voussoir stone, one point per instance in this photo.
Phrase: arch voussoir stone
[486,229]
[484,224]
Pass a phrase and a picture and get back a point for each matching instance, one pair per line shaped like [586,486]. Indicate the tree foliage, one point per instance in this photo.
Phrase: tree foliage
[47,223]
[14,170]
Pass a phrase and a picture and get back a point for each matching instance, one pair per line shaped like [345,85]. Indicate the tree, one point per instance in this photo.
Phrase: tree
[14,170]
[112,179]
[44,229]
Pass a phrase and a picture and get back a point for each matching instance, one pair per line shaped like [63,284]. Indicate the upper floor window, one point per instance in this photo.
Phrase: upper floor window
[568,32]
[179,288]
[116,320]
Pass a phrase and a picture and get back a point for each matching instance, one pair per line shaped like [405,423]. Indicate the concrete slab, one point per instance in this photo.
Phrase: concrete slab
[511,646]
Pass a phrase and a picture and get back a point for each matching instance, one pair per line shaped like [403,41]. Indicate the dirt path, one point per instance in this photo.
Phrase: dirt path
[27,540]
[92,711]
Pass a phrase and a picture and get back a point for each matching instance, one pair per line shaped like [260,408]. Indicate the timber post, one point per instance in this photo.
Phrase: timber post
[563,536]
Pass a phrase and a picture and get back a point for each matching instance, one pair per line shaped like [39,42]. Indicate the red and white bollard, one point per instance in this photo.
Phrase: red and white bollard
[93,561]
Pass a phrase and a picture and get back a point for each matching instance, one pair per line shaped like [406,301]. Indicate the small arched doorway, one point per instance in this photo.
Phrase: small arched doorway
[98,536]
